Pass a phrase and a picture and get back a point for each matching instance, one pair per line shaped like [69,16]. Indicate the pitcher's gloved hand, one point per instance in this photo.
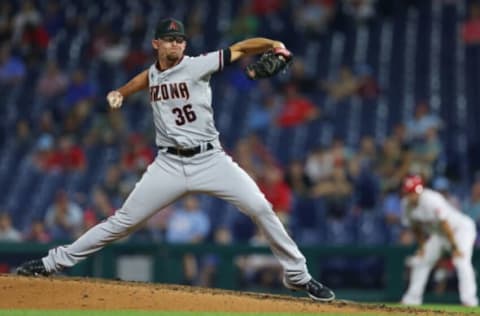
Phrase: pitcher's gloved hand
[115,99]
[269,64]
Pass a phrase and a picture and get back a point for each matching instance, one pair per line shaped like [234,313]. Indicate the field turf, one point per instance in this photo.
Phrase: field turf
[458,310]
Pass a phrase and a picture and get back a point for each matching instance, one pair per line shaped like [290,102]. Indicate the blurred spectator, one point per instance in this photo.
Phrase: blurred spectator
[70,155]
[221,236]
[319,164]
[244,24]
[237,78]
[423,120]
[23,133]
[46,123]
[393,164]
[297,179]
[28,14]
[392,212]
[75,22]
[52,82]
[407,238]
[6,22]
[136,57]
[38,232]
[400,135]
[54,19]
[79,90]
[471,27]
[195,30]
[188,224]
[360,11]
[100,207]
[314,16]
[266,7]
[367,153]
[34,42]
[135,61]
[305,82]
[277,191]
[343,87]
[127,184]
[137,30]
[75,115]
[89,220]
[392,208]
[472,204]
[111,183]
[296,109]
[336,191]
[157,224]
[425,153]
[7,231]
[368,88]
[366,184]
[64,218]
[251,154]
[260,269]
[66,156]
[107,129]
[137,154]
[12,68]
[115,51]
[243,155]
[45,157]
[261,114]
[99,40]
[341,153]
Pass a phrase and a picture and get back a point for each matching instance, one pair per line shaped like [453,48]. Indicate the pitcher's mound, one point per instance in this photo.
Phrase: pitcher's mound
[95,294]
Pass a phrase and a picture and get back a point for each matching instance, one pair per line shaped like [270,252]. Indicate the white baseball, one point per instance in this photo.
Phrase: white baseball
[115,99]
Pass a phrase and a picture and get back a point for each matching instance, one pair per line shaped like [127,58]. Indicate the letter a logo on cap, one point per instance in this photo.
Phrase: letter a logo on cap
[173,26]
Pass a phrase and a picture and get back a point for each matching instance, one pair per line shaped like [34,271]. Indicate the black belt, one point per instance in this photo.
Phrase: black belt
[186,152]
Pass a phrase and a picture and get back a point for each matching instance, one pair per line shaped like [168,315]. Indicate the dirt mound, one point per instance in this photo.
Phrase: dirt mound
[71,293]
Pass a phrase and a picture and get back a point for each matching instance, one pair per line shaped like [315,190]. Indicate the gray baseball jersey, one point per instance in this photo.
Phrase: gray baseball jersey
[183,115]
[181,100]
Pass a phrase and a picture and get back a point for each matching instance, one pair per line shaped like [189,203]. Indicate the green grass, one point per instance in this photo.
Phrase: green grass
[445,308]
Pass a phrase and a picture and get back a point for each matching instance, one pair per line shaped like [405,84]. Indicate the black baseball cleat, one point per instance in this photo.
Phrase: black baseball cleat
[316,290]
[33,268]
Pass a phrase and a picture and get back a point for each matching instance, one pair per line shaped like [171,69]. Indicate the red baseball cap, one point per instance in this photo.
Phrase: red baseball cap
[412,183]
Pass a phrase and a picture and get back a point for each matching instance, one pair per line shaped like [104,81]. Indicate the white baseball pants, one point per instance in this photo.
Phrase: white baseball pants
[422,265]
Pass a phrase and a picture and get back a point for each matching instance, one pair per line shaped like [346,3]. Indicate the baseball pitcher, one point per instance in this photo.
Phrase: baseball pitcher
[190,158]
[437,226]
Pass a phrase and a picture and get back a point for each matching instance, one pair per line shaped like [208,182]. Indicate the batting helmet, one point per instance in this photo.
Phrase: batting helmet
[412,183]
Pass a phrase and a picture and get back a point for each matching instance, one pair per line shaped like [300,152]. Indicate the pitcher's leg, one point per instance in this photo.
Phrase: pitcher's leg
[226,180]
[157,188]
[420,269]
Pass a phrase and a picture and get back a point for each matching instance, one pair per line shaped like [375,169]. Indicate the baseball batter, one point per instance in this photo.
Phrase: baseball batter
[445,228]
[189,159]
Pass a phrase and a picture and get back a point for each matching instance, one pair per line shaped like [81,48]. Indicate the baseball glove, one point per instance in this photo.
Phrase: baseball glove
[269,64]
